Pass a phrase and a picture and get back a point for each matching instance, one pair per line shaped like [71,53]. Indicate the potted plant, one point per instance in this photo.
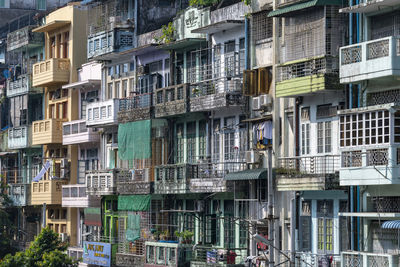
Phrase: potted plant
[164,235]
[185,236]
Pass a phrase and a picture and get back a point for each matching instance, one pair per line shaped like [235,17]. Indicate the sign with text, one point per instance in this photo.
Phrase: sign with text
[97,253]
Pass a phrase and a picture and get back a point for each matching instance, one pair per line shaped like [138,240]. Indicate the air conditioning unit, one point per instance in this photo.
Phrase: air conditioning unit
[64,237]
[256,103]
[64,163]
[265,100]
[64,173]
[252,156]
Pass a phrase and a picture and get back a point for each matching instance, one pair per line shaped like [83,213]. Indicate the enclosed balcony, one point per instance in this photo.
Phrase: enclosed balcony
[172,100]
[47,191]
[301,78]
[47,131]
[75,196]
[24,38]
[53,71]
[370,145]
[139,182]
[174,178]
[20,86]
[367,259]
[203,256]
[102,113]
[19,137]
[135,108]
[107,44]
[104,182]
[19,194]
[375,59]
[315,260]
[210,177]
[308,173]
[76,132]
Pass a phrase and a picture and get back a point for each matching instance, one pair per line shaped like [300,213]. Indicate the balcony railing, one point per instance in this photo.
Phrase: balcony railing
[368,259]
[308,172]
[75,253]
[174,178]
[24,37]
[102,113]
[307,259]
[282,3]
[20,86]
[76,132]
[209,177]
[47,131]
[138,182]
[216,94]
[19,194]
[19,137]
[210,256]
[47,191]
[104,182]
[135,108]
[50,72]
[370,60]
[172,100]
[75,196]
[114,41]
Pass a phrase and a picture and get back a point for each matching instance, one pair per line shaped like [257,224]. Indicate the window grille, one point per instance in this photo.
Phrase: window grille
[262,26]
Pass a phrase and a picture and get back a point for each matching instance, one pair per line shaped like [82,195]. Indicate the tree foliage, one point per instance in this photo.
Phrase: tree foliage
[46,251]
[7,228]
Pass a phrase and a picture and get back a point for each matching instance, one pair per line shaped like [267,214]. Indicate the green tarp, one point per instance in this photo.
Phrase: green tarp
[295,7]
[134,140]
[134,202]
[133,227]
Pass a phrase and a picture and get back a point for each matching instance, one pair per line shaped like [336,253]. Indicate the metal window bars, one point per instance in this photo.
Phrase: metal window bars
[309,165]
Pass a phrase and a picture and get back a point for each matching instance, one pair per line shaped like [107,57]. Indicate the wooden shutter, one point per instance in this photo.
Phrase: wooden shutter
[263,81]
[249,82]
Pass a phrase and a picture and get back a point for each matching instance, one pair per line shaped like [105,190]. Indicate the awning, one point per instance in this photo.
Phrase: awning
[187,42]
[85,2]
[45,168]
[377,215]
[134,140]
[92,216]
[391,225]
[52,26]
[81,84]
[219,26]
[134,202]
[371,6]
[140,50]
[252,174]
[281,12]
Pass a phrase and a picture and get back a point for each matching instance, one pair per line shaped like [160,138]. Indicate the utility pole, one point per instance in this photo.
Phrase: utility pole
[271,221]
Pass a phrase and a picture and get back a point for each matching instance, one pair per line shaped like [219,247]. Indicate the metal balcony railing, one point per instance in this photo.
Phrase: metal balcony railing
[368,259]
[306,166]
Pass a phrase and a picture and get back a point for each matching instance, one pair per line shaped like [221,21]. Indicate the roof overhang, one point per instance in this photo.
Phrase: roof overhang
[371,215]
[141,50]
[286,10]
[372,6]
[219,26]
[391,225]
[52,26]
[82,84]
[181,44]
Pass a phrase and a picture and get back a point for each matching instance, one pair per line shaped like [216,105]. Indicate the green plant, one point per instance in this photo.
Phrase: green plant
[168,34]
[185,235]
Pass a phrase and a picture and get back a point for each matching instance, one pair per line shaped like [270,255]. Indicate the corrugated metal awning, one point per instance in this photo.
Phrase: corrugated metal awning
[251,174]
[296,7]
[391,225]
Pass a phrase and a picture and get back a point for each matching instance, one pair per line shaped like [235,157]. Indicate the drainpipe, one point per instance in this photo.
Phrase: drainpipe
[246,42]
[358,105]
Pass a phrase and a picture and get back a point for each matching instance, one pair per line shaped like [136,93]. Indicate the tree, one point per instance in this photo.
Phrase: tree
[46,251]
[7,228]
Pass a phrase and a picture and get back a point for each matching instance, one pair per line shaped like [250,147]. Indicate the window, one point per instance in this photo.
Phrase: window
[229,139]
[109,91]
[216,140]
[305,138]
[4,3]
[203,139]
[110,71]
[66,45]
[117,87]
[325,226]
[179,143]
[40,4]
[124,88]
[324,137]
[262,26]
[52,52]
[305,226]
[191,141]
[125,67]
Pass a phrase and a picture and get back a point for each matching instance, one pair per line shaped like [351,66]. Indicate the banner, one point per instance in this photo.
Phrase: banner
[97,253]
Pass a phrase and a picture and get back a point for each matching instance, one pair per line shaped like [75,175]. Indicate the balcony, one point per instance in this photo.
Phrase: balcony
[174,178]
[370,145]
[135,108]
[172,100]
[210,256]
[102,113]
[209,177]
[21,86]
[306,77]
[139,182]
[104,182]
[46,191]
[76,132]
[124,259]
[19,137]
[217,94]
[307,259]
[376,59]
[19,194]
[47,132]
[104,44]
[367,259]
[53,71]
[24,38]
[75,196]
[308,173]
